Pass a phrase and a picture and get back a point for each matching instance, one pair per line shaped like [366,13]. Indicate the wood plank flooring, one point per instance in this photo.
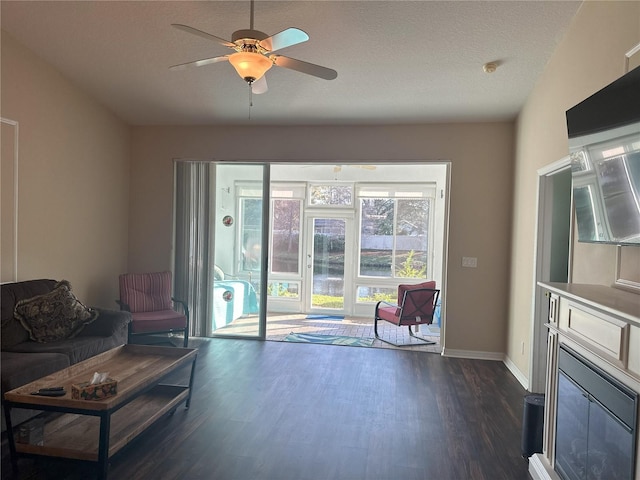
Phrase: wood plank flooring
[278,410]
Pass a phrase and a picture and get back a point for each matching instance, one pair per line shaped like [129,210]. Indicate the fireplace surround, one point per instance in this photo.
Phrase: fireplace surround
[595,423]
[593,360]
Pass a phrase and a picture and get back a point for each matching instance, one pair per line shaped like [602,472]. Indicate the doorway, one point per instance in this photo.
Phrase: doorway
[326,279]
[553,257]
[321,239]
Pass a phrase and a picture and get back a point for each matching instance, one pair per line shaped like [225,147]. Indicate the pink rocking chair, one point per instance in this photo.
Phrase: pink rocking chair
[416,304]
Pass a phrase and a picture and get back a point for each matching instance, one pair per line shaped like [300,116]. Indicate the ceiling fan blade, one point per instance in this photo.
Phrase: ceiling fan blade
[200,63]
[304,67]
[200,33]
[259,86]
[283,39]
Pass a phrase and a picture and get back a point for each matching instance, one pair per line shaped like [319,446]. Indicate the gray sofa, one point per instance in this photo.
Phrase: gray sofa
[24,360]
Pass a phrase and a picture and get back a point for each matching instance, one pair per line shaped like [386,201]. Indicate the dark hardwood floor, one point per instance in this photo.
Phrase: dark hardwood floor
[277,410]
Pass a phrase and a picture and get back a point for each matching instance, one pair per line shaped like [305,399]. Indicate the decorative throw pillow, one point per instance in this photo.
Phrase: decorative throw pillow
[53,316]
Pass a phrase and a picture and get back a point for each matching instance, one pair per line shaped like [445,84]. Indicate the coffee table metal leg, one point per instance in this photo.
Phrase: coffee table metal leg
[193,371]
[103,445]
[11,438]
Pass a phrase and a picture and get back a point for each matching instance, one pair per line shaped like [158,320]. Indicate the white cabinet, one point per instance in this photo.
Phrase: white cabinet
[605,334]
[603,325]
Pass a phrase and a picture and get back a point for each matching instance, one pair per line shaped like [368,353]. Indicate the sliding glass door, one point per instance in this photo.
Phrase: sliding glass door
[331,246]
[240,249]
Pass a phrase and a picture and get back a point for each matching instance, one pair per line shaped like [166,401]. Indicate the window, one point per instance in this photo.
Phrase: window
[285,236]
[250,226]
[336,195]
[284,289]
[395,231]
[286,222]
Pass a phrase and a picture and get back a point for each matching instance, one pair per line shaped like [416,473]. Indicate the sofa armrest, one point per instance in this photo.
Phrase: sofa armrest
[108,323]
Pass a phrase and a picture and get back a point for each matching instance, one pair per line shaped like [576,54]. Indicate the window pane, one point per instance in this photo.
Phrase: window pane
[331,195]
[285,239]
[411,238]
[251,227]
[376,237]
[377,294]
[328,263]
[283,289]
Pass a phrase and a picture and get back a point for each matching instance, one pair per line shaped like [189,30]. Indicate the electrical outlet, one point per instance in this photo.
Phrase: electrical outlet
[469,262]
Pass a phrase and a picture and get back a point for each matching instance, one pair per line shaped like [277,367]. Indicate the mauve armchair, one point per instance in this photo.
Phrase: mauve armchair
[416,305]
[153,310]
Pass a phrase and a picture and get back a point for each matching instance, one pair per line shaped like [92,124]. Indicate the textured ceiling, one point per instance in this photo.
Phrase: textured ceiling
[397,61]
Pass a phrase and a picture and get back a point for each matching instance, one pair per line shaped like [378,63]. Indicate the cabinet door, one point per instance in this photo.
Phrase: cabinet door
[550,395]
[571,429]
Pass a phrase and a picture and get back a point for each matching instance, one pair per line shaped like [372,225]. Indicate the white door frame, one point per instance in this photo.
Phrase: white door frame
[542,260]
[307,262]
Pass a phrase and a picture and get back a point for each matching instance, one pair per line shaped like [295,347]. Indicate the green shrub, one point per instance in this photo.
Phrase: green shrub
[327,301]
[409,270]
[380,297]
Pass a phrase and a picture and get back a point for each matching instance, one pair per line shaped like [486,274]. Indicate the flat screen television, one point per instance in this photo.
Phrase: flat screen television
[604,144]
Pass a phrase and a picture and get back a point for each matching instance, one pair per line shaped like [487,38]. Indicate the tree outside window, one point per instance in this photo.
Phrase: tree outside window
[285,238]
[394,237]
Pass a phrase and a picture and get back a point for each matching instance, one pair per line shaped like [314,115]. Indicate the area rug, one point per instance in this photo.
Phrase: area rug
[329,339]
[325,317]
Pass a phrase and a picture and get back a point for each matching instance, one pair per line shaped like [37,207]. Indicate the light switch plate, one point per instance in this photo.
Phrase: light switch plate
[469,262]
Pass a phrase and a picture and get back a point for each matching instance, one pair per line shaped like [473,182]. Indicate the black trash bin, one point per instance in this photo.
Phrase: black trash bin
[532,423]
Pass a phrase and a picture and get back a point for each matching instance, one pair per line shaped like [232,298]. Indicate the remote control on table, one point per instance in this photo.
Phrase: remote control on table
[51,392]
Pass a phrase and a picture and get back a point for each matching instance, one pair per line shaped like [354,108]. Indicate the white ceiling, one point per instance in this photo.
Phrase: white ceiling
[397,61]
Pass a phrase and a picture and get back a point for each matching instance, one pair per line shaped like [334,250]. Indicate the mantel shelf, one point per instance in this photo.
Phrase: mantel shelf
[616,302]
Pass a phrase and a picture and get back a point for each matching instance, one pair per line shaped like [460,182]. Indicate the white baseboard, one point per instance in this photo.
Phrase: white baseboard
[539,468]
[515,371]
[475,355]
[500,357]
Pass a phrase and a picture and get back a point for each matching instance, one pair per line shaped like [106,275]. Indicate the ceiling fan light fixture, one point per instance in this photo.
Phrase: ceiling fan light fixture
[250,66]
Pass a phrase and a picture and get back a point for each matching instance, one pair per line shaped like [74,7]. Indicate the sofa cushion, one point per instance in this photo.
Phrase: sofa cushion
[76,349]
[55,315]
[146,292]
[12,330]
[110,323]
[18,369]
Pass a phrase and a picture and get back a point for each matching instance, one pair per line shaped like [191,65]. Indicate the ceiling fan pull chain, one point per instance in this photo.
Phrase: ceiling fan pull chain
[250,99]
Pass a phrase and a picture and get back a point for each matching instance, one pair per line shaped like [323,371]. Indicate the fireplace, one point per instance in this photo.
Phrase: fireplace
[595,423]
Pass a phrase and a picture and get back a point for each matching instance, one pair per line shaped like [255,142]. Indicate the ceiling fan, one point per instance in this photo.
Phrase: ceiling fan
[254,54]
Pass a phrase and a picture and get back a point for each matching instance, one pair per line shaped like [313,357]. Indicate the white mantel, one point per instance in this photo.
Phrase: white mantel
[601,323]
[615,301]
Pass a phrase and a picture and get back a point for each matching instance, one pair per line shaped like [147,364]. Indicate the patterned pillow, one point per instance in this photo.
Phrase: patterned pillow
[53,316]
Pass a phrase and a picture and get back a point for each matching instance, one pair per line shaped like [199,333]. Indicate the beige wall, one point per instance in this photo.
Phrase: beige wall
[73,179]
[589,57]
[74,174]
[481,156]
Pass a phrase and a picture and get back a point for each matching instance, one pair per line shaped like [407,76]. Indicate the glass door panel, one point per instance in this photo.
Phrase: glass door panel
[327,278]
[240,251]
[328,263]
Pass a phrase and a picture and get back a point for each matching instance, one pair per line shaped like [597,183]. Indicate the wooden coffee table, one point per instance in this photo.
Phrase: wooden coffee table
[94,430]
